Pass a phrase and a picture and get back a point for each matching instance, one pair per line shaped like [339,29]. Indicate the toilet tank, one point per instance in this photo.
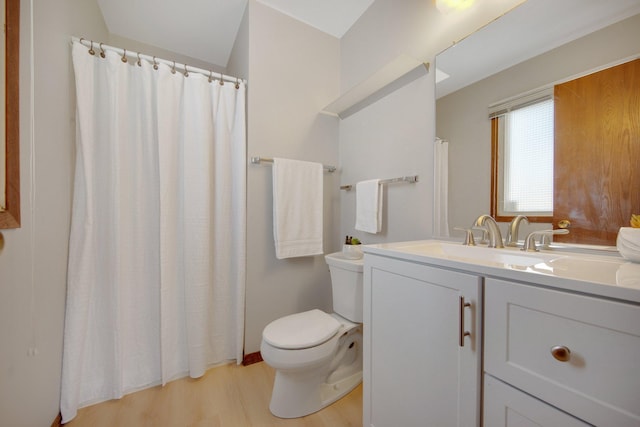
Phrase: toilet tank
[346,284]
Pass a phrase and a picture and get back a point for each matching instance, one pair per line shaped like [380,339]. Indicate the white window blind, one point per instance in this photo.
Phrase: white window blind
[526,153]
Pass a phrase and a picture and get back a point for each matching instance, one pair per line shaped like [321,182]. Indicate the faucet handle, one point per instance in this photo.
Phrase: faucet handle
[530,241]
[468,239]
[546,239]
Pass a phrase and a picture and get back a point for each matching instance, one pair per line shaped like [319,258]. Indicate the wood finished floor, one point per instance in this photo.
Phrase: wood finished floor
[226,396]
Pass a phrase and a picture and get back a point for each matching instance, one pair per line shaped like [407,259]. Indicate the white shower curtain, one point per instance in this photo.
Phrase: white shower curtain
[157,248]
[441,188]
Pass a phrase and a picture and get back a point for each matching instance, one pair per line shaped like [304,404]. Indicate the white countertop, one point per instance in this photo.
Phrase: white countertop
[609,276]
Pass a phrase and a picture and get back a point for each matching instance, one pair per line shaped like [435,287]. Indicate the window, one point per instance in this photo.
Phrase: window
[522,156]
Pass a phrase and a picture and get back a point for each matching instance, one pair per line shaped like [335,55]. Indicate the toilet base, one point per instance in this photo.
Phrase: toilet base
[293,397]
[307,382]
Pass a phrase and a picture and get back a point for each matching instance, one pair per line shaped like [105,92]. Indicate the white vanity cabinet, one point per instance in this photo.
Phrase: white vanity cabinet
[422,345]
[578,353]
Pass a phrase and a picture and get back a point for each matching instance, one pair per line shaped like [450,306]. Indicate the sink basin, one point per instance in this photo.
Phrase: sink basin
[504,257]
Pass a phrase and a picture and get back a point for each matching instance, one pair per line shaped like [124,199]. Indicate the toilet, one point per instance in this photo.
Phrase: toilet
[318,356]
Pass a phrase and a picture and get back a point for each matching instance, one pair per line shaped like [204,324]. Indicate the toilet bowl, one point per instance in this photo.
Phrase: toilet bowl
[318,356]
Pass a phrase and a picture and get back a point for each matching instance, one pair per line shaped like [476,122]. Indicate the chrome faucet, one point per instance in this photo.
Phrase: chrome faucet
[512,231]
[495,237]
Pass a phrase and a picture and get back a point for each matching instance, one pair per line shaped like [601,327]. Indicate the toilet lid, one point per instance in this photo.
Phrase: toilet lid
[301,330]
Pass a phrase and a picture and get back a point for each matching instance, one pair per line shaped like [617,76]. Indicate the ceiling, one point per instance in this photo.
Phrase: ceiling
[333,17]
[531,29]
[207,29]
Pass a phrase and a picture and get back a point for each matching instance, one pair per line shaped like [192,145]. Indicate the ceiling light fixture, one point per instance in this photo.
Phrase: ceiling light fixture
[448,6]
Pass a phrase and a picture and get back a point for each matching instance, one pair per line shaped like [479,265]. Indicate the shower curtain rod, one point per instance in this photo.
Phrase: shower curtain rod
[97,47]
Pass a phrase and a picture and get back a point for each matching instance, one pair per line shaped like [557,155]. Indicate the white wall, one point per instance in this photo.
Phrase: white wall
[238,64]
[389,139]
[136,46]
[34,260]
[293,73]
[462,117]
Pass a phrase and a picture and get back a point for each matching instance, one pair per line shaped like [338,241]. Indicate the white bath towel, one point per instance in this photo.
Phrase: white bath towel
[369,206]
[297,208]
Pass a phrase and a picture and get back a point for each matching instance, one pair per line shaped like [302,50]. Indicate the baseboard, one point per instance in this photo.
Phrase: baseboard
[58,421]
[251,358]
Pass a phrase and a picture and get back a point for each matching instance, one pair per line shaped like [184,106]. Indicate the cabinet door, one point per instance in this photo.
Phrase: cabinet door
[416,372]
[505,406]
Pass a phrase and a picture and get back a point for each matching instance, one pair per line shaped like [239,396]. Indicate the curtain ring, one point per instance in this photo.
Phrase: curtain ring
[237,83]
[155,64]
[124,56]
[139,63]
[173,68]
[102,54]
[91,51]
[210,76]
[221,80]
[186,73]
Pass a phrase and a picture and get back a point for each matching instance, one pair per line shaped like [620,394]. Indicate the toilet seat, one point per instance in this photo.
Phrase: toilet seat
[301,330]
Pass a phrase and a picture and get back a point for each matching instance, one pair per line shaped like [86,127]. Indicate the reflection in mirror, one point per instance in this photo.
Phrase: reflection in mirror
[9,165]
[522,142]
[536,45]
[3,156]
[580,155]
[597,152]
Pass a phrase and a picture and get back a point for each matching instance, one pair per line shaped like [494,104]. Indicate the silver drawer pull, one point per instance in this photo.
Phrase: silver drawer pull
[463,333]
[561,353]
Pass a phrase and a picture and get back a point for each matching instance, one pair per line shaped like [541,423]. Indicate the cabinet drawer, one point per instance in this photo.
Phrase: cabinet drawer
[600,380]
[505,406]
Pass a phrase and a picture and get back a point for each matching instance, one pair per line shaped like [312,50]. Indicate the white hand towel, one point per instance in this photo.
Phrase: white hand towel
[369,206]
[628,243]
[297,208]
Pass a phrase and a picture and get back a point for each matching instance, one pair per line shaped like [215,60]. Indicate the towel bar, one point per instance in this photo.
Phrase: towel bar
[257,160]
[411,178]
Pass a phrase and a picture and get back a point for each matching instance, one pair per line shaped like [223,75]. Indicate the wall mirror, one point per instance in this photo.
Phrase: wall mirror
[520,53]
[10,140]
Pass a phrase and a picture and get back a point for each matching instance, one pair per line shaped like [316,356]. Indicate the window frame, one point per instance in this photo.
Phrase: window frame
[495,111]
